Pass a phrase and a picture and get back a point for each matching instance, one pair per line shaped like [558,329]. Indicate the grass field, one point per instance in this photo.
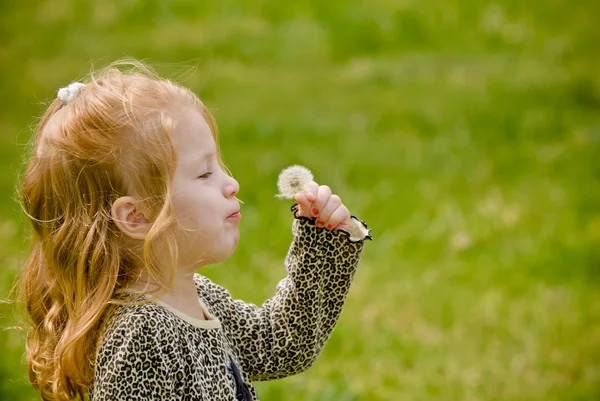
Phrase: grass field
[465,133]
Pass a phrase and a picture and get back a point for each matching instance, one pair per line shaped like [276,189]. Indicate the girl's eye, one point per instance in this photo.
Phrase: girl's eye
[205,175]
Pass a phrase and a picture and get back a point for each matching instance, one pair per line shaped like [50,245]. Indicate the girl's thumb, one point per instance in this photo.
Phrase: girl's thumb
[303,203]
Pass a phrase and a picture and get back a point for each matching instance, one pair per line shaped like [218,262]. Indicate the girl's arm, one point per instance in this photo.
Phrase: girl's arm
[289,331]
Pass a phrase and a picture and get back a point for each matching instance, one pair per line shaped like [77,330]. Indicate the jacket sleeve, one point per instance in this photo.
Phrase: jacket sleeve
[288,332]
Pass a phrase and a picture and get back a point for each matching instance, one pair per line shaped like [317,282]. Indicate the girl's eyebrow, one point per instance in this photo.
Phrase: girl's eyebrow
[206,156]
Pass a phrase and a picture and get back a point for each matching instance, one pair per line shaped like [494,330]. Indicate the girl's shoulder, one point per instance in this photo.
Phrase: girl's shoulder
[207,290]
[201,281]
[134,333]
[210,293]
[146,319]
[216,298]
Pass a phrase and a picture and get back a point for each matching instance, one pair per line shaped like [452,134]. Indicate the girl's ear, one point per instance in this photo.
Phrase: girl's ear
[129,219]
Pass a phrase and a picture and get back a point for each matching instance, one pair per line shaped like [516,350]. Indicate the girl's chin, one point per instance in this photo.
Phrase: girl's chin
[226,252]
[236,240]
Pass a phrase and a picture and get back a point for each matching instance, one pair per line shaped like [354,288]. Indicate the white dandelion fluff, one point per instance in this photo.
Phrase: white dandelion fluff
[292,180]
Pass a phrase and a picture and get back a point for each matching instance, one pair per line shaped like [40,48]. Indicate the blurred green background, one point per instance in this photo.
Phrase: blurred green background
[465,133]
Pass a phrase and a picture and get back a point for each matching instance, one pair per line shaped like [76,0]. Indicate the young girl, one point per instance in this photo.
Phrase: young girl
[128,198]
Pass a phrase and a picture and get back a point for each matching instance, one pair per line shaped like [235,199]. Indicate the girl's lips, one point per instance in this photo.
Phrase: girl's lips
[236,215]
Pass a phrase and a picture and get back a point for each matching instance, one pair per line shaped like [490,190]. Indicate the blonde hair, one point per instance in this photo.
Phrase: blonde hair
[112,140]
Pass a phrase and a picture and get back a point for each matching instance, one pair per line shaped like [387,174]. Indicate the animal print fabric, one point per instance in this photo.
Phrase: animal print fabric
[153,352]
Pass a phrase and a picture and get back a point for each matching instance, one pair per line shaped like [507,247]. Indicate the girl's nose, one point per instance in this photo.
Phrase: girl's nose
[232,188]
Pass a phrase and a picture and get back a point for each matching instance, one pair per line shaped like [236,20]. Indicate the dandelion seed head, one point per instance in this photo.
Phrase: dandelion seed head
[292,180]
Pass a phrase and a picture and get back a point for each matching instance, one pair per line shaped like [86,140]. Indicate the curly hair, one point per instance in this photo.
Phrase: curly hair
[113,139]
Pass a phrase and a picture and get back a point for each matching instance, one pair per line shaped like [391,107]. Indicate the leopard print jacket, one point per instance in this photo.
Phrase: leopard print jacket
[154,352]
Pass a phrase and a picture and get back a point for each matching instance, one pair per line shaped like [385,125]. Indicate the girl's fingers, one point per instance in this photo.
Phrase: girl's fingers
[311,191]
[303,203]
[333,203]
[345,225]
[323,194]
[339,219]
[319,202]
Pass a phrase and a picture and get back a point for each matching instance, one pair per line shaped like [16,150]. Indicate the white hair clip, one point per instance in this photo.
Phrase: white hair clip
[68,93]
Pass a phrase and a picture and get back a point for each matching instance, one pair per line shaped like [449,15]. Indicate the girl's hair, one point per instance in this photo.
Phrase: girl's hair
[112,140]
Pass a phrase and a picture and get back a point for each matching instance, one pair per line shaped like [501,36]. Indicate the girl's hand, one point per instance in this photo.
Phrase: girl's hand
[318,201]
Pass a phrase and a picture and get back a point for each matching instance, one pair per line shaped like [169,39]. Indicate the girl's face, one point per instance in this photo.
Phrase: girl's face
[203,195]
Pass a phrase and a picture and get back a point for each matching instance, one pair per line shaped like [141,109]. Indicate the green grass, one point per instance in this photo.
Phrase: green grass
[465,133]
